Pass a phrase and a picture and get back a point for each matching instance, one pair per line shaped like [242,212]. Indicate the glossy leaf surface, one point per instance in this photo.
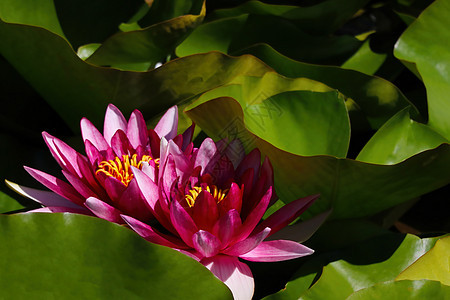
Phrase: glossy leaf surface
[73,256]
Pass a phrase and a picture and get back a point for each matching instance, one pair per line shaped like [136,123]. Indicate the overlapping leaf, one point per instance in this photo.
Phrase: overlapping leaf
[72,257]
[351,188]
[424,44]
[366,264]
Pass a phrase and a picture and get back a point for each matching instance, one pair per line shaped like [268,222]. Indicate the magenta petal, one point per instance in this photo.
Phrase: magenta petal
[168,124]
[81,188]
[132,203]
[43,197]
[104,210]
[226,227]
[59,209]
[235,274]
[95,156]
[137,130]
[233,200]
[63,154]
[253,161]
[120,144]
[114,188]
[88,177]
[56,185]
[207,155]
[148,188]
[152,235]
[205,212]
[182,222]
[287,214]
[114,120]
[187,137]
[248,244]
[255,216]
[205,243]
[278,250]
[90,133]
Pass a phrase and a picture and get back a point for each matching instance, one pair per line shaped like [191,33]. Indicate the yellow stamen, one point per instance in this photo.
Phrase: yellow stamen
[217,194]
[120,168]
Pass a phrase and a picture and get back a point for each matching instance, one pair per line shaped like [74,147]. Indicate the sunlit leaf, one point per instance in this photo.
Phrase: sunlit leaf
[405,289]
[73,256]
[425,43]
[352,188]
[433,265]
[399,139]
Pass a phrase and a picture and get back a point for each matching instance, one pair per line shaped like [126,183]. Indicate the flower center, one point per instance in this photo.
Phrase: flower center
[120,168]
[217,194]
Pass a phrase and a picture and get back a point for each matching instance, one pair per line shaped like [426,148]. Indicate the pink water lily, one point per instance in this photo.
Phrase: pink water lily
[101,183]
[209,203]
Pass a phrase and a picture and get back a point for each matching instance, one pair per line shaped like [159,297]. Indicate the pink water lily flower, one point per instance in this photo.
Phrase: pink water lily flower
[209,203]
[102,182]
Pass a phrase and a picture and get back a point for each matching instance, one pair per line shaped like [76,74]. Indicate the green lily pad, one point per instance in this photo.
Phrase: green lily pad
[425,43]
[378,260]
[231,35]
[377,100]
[351,188]
[434,265]
[73,256]
[129,50]
[8,204]
[365,60]
[399,139]
[405,289]
[320,19]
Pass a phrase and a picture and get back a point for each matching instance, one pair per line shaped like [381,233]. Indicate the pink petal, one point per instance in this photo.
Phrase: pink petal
[235,274]
[56,185]
[114,120]
[205,212]
[267,169]
[205,243]
[248,244]
[132,203]
[255,216]
[251,161]
[43,197]
[152,235]
[88,177]
[81,188]
[148,188]
[226,227]
[104,210]
[114,188]
[64,154]
[90,133]
[233,200]
[182,222]
[207,155]
[278,250]
[168,124]
[137,129]
[95,156]
[234,150]
[58,209]
[120,144]
[154,141]
[188,134]
[287,214]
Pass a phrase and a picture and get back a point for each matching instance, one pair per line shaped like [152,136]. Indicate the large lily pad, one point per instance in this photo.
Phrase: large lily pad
[405,289]
[356,267]
[73,256]
[377,100]
[425,43]
[434,265]
[318,19]
[129,50]
[399,139]
[351,188]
